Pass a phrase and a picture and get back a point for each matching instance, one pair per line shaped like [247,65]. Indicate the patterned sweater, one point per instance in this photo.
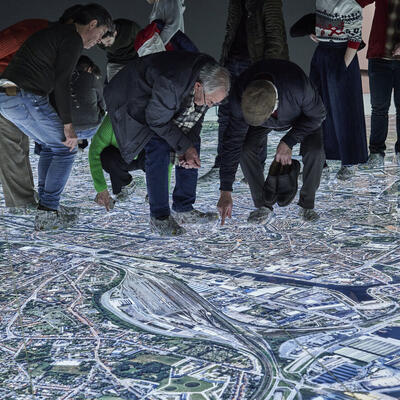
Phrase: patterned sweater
[339,21]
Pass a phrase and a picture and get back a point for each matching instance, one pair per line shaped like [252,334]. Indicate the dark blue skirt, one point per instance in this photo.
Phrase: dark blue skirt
[344,129]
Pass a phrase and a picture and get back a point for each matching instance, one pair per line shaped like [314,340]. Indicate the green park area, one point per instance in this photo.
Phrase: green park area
[110,398]
[150,371]
[68,370]
[148,357]
[197,396]
[186,384]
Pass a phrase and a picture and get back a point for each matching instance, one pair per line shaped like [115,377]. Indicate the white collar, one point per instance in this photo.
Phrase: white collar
[277,98]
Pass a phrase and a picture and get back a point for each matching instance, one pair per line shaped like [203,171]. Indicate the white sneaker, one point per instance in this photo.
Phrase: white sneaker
[260,216]
[195,217]
[49,220]
[375,160]
[396,159]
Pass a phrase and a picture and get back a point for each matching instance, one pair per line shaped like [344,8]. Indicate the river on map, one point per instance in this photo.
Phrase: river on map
[355,293]
[389,332]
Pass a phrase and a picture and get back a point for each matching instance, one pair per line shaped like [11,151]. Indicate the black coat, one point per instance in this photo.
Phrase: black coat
[143,98]
[87,100]
[265,29]
[123,49]
[300,108]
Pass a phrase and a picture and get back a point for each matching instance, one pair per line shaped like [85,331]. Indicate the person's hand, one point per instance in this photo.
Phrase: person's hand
[349,56]
[396,51]
[313,37]
[104,199]
[225,205]
[190,159]
[71,140]
[283,154]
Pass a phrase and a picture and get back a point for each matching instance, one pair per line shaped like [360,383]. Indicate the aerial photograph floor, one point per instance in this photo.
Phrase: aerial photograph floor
[289,310]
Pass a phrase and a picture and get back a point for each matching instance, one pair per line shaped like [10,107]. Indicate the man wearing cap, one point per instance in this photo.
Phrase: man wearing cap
[272,95]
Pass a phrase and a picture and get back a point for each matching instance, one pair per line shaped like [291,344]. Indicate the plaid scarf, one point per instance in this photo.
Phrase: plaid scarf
[393,28]
[189,114]
[186,118]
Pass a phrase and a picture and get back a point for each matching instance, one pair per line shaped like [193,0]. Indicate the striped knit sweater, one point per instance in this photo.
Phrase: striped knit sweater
[339,21]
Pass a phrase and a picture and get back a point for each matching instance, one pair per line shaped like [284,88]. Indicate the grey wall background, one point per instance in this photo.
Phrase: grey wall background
[204,21]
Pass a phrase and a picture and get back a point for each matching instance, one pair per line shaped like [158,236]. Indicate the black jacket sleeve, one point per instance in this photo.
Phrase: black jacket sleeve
[159,114]
[67,57]
[304,26]
[232,142]
[311,117]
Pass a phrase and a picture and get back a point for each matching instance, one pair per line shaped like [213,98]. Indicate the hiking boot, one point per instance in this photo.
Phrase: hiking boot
[346,172]
[211,175]
[166,227]
[49,220]
[260,216]
[195,217]
[308,214]
[375,160]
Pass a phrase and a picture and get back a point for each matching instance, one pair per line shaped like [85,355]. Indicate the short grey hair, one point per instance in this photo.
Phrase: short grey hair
[214,77]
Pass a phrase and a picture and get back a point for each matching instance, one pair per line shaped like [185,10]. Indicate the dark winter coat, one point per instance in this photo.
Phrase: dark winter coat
[123,49]
[266,34]
[143,98]
[87,100]
[300,108]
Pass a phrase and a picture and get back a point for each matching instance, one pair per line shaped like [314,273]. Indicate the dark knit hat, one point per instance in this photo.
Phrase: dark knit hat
[258,101]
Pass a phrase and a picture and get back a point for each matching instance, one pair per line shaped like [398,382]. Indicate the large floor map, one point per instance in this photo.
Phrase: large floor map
[292,310]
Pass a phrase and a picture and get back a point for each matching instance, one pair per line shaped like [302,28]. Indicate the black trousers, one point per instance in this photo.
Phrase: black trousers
[113,163]
[313,157]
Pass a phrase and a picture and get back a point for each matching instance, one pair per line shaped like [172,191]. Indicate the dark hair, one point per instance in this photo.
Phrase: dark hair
[89,12]
[69,13]
[85,62]
[109,33]
[96,71]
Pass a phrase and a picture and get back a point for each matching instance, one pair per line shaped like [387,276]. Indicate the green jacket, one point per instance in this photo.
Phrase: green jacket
[266,34]
[103,138]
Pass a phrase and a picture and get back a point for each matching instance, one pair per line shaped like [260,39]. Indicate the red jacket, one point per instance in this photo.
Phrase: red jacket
[377,37]
[12,38]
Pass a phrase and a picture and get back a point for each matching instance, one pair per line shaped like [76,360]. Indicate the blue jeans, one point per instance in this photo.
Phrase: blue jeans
[384,77]
[34,116]
[82,134]
[235,67]
[87,133]
[156,164]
